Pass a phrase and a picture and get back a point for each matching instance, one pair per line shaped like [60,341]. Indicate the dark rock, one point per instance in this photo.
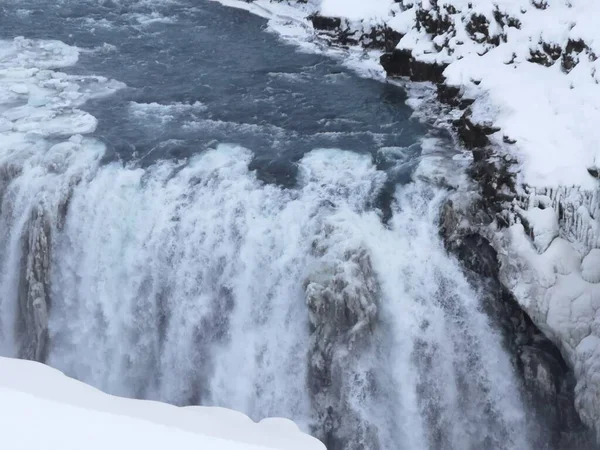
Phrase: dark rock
[448,94]
[433,21]
[34,288]
[478,24]
[472,135]
[400,63]
[547,382]
[506,20]
[547,55]
[570,57]
[325,23]
[381,37]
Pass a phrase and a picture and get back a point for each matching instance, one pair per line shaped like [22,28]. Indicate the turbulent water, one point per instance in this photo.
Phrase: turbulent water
[238,224]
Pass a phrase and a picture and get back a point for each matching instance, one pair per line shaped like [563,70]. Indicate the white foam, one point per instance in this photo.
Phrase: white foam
[164,112]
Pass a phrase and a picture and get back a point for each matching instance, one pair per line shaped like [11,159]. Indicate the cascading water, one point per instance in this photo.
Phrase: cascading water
[194,281]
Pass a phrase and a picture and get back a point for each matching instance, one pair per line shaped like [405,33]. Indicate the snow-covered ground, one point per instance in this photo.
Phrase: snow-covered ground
[531,69]
[42,408]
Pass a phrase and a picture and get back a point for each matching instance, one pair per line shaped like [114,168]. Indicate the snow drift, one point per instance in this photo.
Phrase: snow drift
[42,408]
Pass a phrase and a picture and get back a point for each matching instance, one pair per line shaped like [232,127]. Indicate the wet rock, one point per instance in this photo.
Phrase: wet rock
[34,288]
[401,63]
[342,303]
[547,382]
[325,23]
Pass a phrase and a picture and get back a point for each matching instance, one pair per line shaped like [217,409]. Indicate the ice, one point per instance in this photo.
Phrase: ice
[590,266]
[229,258]
[36,100]
[544,109]
[189,281]
[551,111]
[164,113]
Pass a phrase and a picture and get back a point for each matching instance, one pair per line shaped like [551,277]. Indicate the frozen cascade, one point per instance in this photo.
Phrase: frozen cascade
[196,283]
[193,282]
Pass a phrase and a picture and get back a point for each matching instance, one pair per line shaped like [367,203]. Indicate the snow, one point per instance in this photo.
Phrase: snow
[42,408]
[590,266]
[357,9]
[561,292]
[551,113]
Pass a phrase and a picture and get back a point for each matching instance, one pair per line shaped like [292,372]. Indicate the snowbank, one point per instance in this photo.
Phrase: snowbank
[357,9]
[42,408]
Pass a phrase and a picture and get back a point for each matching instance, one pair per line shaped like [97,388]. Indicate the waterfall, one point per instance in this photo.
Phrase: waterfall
[194,282]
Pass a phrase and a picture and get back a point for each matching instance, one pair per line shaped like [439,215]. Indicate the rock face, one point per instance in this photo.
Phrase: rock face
[34,286]
[344,33]
[547,379]
[401,63]
[342,315]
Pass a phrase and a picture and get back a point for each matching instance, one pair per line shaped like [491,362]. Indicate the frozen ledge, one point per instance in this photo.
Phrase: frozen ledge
[42,408]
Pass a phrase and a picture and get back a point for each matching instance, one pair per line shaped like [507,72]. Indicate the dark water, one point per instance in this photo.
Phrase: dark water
[254,89]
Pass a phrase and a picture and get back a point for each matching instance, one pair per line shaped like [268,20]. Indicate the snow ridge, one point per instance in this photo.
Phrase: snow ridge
[65,413]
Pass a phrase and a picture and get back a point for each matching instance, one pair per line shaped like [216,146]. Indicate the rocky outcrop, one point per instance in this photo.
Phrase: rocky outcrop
[345,33]
[401,63]
[548,381]
[34,287]
[342,304]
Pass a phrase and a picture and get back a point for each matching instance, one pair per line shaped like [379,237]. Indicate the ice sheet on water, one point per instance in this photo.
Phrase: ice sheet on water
[36,100]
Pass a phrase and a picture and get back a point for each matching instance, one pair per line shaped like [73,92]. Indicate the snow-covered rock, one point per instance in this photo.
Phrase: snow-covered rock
[42,408]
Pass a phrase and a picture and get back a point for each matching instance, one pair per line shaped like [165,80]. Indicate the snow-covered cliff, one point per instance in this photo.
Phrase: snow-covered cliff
[520,78]
[42,408]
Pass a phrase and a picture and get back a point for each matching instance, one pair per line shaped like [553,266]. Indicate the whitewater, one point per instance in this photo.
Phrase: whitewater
[196,278]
